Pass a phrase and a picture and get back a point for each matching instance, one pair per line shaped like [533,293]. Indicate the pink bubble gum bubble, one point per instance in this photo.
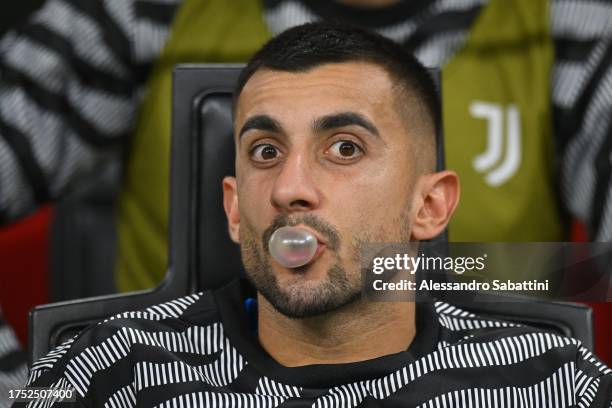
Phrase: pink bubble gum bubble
[292,246]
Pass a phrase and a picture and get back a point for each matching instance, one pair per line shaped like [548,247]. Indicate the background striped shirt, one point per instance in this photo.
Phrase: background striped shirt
[72,78]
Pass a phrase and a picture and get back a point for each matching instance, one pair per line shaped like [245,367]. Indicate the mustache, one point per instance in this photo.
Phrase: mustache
[324,228]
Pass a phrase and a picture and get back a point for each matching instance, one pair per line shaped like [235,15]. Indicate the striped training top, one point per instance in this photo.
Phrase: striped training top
[198,351]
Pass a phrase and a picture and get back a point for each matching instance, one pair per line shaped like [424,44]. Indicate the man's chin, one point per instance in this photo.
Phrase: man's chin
[308,298]
[314,272]
[307,277]
[305,308]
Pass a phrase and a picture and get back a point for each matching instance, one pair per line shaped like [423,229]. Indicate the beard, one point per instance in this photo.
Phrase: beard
[300,299]
[308,299]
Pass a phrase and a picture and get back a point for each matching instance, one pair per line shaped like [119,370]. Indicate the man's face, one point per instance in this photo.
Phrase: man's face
[328,151]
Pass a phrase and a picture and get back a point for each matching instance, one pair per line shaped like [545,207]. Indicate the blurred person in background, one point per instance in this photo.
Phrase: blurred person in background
[527,95]
[13,370]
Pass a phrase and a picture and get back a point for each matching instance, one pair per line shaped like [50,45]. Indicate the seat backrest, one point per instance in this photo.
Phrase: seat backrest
[83,238]
[202,256]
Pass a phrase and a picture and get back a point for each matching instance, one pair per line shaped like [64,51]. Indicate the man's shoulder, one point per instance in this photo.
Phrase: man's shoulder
[168,325]
[461,326]
[472,341]
[507,343]
[173,315]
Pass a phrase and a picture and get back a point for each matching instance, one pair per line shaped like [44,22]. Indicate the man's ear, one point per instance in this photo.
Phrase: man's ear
[230,204]
[436,198]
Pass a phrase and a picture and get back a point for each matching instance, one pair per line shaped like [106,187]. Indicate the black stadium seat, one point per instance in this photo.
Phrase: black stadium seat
[201,254]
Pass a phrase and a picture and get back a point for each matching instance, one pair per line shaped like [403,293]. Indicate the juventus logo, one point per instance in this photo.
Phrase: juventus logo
[498,169]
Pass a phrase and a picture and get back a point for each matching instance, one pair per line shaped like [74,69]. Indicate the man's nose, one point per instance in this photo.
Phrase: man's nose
[294,188]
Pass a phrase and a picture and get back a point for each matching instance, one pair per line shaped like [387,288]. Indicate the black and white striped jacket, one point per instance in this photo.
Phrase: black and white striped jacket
[198,351]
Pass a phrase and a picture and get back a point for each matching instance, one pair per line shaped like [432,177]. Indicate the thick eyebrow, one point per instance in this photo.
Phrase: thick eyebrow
[260,122]
[342,119]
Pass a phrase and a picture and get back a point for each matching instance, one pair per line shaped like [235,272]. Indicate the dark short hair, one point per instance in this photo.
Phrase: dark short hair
[307,46]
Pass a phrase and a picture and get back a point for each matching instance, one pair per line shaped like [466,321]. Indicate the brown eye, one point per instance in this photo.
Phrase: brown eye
[264,152]
[345,150]
[268,152]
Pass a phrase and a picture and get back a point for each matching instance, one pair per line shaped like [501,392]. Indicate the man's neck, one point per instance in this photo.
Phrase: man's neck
[357,332]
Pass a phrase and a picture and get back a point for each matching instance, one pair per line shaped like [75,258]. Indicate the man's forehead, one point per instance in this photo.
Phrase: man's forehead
[348,68]
[353,81]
